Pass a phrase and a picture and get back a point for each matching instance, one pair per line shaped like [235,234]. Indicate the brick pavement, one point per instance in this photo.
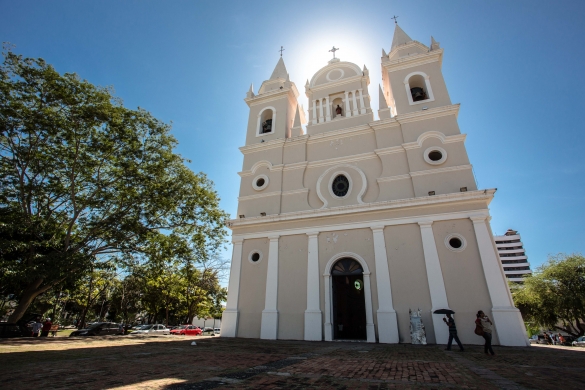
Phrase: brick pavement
[170,362]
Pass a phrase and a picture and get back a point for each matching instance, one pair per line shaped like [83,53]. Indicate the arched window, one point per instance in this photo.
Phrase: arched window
[346,267]
[266,121]
[418,88]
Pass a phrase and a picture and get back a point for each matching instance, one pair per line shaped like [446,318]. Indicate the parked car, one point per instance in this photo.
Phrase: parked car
[187,330]
[208,332]
[569,340]
[538,339]
[100,329]
[151,330]
[13,330]
[217,330]
[580,342]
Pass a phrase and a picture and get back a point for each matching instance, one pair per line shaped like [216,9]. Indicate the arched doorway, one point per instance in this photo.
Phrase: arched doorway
[349,304]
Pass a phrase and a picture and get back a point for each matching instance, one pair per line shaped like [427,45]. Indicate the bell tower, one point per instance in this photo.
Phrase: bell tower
[273,109]
[412,75]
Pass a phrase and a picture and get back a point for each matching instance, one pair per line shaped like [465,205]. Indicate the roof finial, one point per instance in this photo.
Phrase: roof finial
[281,50]
[333,50]
[395,17]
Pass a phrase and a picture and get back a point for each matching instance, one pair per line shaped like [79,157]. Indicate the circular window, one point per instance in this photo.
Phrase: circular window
[260,182]
[334,74]
[255,256]
[435,155]
[340,186]
[455,242]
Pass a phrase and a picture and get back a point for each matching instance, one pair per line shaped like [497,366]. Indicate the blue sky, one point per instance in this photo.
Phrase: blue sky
[515,67]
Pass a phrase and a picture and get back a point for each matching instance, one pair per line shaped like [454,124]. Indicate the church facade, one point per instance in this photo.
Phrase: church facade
[343,230]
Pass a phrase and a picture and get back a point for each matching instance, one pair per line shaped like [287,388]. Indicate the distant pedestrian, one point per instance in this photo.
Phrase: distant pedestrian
[36,327]
[452,332]
[486,325]
[553,337]
[547,338]
[561,339]
[46,327]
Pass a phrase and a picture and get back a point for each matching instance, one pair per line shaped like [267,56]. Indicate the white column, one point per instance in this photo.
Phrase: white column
[362,104]
[328,327]
[370,330]
[507,319]
[313,317]
[328,118]
[436,283]
[321,119]
[355,107]
[314,119]
[229,318]
[347,107]
[269,329]
[387,321]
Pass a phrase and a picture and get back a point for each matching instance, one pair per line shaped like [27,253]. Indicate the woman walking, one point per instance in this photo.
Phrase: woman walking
[486,325]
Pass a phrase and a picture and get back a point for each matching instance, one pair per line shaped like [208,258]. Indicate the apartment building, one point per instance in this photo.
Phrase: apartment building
[512,255]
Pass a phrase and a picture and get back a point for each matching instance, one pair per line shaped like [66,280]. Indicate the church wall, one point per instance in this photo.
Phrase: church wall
[274,178]
[340,124]
[293,179]
[272,155]
[323,222]
[358,241]
[279,126]
[445,124]
[394,164]
[456,155]
[433,70]
[464,278]
[341,146]
[396,189]
[408,278]
[295,150]
[444,183]
[389,136]
[292,286]
[252,289]
[253,207]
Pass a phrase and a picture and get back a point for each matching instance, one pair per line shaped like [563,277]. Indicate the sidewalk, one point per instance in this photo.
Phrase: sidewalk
[171,362]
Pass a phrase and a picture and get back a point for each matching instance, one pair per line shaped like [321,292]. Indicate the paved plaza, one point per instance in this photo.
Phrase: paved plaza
[171,362]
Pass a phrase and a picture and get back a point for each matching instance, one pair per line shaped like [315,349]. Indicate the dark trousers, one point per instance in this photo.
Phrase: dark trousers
[453,336]
[44,333]
[488,343]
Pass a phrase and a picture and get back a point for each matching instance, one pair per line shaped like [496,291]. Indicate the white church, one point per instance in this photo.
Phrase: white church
[344,228]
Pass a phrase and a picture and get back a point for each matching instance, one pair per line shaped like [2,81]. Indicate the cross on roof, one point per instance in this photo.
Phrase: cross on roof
[281,50]
[333,50]
[395,17]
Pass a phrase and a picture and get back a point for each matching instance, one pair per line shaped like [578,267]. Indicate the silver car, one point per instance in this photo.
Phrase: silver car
[152,330]
[580,342]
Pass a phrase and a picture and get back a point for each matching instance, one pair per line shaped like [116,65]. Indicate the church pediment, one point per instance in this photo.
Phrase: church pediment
[334,73]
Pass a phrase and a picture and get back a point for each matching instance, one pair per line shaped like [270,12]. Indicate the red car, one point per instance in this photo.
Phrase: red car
[189,330]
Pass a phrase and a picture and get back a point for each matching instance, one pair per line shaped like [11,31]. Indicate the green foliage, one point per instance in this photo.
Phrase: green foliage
[554,297]
[83,178]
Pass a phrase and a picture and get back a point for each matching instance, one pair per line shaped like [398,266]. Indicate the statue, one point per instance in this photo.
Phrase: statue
[417,329]
[338,110]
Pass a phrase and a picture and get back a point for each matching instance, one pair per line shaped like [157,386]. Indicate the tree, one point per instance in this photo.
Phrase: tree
[83,178]
[554,297]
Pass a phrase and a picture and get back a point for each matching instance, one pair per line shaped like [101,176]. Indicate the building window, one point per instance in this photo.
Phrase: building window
[255,256]
[260,182]
[455,242]
[340,186]
[266,121]
[435,155]
[418,88]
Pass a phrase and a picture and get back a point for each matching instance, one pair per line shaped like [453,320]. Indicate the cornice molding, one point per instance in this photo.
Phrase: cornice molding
[440,170]
[389,150]
[410,61]
[294,192]
[335,84]
[341,133]
[392,178]
[256,196]
[445,139]
[254,148]
[431,113]
[342,160]
[457,197]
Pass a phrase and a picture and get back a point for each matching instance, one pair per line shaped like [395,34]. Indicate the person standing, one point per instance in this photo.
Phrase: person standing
[452,333]
[486,325]
[36,327]
[561,339]
[46,327]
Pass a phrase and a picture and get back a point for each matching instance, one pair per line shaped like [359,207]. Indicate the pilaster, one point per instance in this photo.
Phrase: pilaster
[436,282]
[313,317]
[387,320]
[229,318]
[269,325]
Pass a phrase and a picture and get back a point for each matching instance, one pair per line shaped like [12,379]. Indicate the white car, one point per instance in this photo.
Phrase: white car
[217,330]
[580,342]
[152,330]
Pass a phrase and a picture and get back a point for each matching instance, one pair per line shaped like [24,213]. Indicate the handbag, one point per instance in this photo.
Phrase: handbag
[478,329]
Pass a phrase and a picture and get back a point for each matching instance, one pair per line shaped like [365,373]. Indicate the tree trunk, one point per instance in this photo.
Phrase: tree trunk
[28,295]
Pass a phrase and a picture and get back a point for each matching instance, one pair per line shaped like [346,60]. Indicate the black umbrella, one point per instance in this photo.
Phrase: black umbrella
[444,311]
